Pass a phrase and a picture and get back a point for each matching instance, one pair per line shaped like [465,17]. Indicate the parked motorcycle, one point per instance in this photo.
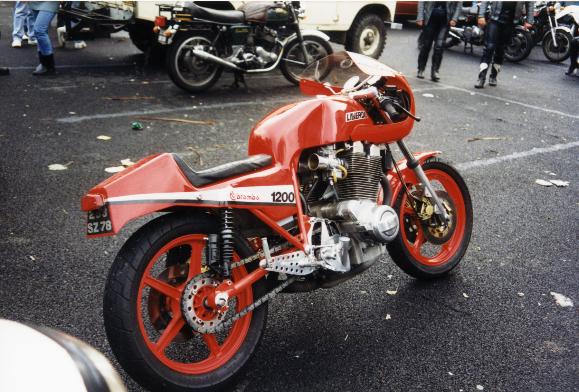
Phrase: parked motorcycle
[555,28]
[468,32]
[319,200]
[258,37]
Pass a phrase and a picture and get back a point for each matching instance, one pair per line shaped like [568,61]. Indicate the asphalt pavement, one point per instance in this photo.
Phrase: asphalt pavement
[493,324]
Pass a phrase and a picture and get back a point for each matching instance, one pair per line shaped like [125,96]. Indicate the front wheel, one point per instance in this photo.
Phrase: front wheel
[520,46]
[160,271]
[188,71]
[562,51]
[424,248]
[292,62]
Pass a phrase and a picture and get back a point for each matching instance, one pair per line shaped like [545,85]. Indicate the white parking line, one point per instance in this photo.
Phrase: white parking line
[433,88]
[225,105]
[516,155]
[511,101]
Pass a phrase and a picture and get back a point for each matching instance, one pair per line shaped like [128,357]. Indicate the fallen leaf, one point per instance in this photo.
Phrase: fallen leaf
[391,292]
[127,162]
[450,373]
[543,182]
[561,300]
[115,169]
[521,294]
[71,112]
[178,120]
[389,276]
[387,317]
[58,166]
[32,258]
[103,137]
[560,183]
[465,295]
[486,138]
[346,338]
[428,95]
[480,387]
[363,292]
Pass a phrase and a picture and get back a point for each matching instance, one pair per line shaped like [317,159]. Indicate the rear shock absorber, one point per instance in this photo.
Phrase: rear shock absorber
[227,242]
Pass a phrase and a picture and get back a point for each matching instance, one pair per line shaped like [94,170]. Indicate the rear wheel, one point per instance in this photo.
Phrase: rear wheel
[563,49]
[293,64]
[367,36]
[186,70]
[424,248]
[520,46]
[146,324]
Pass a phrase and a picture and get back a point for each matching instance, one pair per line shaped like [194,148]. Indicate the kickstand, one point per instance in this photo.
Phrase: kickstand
[239,78]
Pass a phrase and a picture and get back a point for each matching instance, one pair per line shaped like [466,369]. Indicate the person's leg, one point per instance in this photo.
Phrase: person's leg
[45,55]
[441,35]
[573,56]
[505,33]
[491,36]
[20,8]
[30,19]
[427,39]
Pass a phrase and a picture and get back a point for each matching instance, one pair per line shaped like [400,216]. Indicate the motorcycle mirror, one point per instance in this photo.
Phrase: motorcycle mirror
[351,83]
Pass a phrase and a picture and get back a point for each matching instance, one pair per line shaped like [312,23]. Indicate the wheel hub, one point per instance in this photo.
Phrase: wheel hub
[194,305]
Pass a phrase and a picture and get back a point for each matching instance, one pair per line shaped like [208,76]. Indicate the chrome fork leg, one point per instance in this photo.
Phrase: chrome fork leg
[429,191]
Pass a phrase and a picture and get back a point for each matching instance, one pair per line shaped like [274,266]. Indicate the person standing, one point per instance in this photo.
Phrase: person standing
[44,12]
[573,56]
[23,24]
[503,16]
[435,18]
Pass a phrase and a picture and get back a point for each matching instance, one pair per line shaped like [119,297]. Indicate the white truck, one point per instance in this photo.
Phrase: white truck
[361,26]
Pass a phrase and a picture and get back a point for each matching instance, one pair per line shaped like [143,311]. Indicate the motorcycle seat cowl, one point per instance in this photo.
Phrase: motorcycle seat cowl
[215,15]
[221,172]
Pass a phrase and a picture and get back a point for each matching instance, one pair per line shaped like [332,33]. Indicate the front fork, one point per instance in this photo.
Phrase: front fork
[414,164]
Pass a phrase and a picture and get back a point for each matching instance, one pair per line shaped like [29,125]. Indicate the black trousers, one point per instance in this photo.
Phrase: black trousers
[573,54]
[434,32]
[497,36]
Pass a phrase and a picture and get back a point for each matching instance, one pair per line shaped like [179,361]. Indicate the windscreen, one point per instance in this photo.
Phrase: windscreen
[334,69]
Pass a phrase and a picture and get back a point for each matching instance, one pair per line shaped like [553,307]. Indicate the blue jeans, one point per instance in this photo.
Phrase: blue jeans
[23,21]
[41,26]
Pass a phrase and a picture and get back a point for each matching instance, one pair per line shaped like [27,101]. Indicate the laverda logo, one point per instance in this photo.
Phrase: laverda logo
[353,116]
[241,197]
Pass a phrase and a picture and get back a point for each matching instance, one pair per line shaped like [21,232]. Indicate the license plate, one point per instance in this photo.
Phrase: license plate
[99,221]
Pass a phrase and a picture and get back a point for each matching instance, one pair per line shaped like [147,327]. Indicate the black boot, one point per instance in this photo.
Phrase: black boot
[573,57]
[434,75]
[420,74]
[436,61]
[482,75]
[46,66]
[495,69]
[4,71]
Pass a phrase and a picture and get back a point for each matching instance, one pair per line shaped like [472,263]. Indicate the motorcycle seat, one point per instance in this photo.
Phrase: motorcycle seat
[216,15]
[221,172]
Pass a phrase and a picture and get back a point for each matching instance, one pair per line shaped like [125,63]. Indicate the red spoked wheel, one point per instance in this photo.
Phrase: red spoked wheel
[425,248]
[155,299]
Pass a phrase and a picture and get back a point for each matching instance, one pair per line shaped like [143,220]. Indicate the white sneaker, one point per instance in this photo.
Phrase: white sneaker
[24,37]
[80,45]
[32,42]
[16,43]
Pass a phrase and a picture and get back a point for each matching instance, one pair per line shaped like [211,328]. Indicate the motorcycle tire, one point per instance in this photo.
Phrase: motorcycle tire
[520,46]
[142,310]
[180,64]
[422,251]
[367,36]
[557,55]
[317,47]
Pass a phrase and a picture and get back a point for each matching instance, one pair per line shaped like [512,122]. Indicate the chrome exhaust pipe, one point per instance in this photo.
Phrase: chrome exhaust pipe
[209,57]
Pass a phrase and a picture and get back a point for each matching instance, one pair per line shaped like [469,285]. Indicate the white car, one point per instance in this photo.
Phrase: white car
[359,25]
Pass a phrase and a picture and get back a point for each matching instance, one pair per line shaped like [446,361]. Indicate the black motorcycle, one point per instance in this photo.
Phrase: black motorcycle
[468,32]
[258,37]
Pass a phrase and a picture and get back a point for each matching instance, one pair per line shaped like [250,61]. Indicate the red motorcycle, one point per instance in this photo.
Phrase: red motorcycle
[319,200]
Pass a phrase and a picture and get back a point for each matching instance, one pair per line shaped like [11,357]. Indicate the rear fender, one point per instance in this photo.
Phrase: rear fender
[407,173]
